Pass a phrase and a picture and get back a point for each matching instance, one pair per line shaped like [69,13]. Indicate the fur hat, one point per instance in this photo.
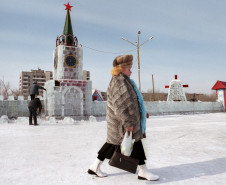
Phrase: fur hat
[124,61]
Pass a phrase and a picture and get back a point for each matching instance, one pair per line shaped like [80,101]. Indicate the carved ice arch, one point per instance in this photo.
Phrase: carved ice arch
[72,101]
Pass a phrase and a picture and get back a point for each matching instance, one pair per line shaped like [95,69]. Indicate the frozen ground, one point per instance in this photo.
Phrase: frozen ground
[182,149]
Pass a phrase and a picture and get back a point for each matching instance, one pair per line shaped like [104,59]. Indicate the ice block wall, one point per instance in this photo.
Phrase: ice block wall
[61,71]
[71,98]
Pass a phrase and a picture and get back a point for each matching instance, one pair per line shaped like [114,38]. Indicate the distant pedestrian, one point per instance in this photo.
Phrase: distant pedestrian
[125,112]
[34,89]
[33,106]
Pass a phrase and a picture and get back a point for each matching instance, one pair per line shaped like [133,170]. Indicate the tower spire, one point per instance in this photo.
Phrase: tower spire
[68,31]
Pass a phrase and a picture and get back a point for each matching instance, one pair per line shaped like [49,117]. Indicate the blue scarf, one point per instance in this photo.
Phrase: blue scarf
[142,108]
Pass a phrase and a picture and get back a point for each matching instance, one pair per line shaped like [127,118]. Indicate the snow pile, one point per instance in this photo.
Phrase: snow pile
[92,119]
[12,120]
[68,120]
[4,119]
[22,120]
[52,120]
[39,120]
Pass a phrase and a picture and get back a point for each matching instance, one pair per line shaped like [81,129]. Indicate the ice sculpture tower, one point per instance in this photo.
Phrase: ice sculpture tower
[68,94]
[176,91]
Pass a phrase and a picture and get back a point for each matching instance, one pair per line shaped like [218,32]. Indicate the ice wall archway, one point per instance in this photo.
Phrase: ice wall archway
[72,101]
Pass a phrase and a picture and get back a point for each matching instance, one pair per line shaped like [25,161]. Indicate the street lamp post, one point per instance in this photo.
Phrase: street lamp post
[137,45]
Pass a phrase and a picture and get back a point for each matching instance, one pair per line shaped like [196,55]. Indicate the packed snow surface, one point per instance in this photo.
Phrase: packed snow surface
[181,149]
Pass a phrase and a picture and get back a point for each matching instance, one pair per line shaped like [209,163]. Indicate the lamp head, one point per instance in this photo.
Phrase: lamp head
[150,38]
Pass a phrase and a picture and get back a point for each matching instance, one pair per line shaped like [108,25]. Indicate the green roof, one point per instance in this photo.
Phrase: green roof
[68,29]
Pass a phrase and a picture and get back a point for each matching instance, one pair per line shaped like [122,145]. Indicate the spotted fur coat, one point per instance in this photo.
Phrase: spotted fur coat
[122,110]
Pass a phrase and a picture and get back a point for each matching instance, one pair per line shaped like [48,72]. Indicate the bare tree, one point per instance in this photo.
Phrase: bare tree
[15,92]
[4,88]
[6,91]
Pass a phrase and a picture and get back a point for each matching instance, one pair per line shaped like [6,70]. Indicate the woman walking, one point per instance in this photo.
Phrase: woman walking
[125,112]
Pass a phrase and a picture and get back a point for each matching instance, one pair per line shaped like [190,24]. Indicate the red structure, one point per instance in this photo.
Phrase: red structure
[96,94]
[219,85]
[220,88]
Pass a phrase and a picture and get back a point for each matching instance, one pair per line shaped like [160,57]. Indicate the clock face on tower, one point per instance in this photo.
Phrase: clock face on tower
[71,61]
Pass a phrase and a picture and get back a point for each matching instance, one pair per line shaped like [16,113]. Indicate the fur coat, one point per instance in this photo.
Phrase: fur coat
[122,110]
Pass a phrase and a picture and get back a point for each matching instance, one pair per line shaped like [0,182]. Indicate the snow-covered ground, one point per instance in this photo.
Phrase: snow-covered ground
[181,149]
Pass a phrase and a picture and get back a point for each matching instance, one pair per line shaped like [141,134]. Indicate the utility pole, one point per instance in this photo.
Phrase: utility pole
[137,45]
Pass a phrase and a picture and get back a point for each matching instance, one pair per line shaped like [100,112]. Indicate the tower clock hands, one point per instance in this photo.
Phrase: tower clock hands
[71,61]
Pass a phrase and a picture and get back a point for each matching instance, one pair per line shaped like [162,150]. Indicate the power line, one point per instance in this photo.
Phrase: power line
[109,52]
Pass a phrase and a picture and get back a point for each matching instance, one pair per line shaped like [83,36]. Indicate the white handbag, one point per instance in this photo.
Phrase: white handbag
[127,144]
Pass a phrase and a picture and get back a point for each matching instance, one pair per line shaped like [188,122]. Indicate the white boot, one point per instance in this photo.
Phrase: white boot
[144,174]
[94,169]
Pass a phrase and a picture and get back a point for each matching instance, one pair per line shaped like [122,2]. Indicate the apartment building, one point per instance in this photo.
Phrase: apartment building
[86,75]
[27,78]
[41,76]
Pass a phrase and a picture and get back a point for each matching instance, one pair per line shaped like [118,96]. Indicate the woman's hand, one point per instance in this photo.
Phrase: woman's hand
[129,129]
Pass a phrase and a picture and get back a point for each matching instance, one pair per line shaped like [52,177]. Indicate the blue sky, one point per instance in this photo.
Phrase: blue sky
[189,38]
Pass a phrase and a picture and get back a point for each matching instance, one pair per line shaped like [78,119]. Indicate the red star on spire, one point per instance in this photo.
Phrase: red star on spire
[68,7]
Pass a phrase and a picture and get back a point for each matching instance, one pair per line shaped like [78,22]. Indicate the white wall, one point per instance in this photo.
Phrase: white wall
[170,107]
[167,107]
[15,108]
[19,108]
[98,108]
